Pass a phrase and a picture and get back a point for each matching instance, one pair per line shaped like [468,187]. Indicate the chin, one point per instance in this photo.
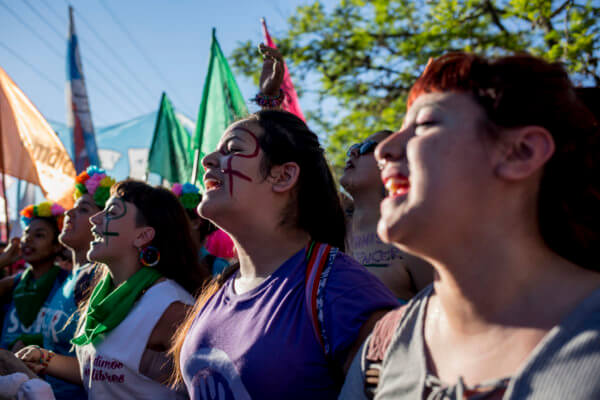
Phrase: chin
[94,254]
[211,209]
[67,239]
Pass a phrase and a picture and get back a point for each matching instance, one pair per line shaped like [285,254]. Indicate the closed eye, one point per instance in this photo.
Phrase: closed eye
[425,124]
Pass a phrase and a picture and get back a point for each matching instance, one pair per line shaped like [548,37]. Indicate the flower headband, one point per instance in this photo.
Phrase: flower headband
[46,209]
[188,195]
[95,182]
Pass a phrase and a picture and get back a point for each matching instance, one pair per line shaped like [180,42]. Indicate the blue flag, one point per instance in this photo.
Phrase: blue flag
[79,118]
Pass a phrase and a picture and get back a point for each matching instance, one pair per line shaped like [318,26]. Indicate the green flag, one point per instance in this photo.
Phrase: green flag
[168,156]
[222,103]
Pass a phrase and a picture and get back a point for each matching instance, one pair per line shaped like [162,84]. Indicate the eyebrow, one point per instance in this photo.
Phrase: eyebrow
[233,136]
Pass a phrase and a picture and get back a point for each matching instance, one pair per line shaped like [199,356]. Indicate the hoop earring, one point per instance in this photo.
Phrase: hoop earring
[149,256]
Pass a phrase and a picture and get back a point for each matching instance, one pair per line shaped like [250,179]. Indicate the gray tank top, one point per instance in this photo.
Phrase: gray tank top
[564,365]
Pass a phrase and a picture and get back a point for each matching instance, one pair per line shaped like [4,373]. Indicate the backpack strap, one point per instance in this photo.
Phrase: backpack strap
[379,341]
[320,258]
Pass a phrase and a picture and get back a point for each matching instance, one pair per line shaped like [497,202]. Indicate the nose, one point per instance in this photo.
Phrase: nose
[96,219]
[211,160]
[392,148]
[69,213]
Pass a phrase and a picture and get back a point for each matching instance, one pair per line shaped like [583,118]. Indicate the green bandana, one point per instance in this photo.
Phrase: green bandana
[29,294]
[109,306]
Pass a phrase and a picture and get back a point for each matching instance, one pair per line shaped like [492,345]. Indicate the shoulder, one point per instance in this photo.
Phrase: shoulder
[168,291]
[349,278]
[167,325]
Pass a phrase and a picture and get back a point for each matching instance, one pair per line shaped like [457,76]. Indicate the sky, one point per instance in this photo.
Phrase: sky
[132,50]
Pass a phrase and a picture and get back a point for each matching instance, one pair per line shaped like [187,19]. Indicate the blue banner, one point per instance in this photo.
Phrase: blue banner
[79,117]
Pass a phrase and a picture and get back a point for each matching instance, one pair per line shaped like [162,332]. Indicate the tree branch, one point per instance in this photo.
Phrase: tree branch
[495,17]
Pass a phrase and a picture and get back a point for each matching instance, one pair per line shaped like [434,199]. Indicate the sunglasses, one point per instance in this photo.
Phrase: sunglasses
[362,148]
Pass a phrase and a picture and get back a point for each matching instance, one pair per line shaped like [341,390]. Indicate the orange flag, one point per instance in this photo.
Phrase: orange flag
[30,149]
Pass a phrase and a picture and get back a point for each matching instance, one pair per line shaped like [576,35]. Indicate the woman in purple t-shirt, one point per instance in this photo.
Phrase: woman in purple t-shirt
[251,334]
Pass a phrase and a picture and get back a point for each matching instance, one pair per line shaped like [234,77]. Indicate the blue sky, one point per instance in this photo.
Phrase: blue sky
[174,35]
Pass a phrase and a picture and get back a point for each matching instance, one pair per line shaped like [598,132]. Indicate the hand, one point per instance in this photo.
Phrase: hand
[272,70]
[10,364]
[11,253]
[33,356]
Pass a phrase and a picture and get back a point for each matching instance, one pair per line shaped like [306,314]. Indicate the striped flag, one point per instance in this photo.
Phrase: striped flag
[290,102]
[79,117]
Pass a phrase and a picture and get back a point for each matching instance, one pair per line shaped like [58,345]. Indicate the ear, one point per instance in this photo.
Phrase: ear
[283,177]
[525,152]
[144,237]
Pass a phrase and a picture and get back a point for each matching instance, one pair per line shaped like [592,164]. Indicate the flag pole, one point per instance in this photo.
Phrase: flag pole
[196,163]
[7,218]
[195,166]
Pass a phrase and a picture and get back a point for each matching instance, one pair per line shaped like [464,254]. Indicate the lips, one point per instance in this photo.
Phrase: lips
[27,250]
[211,182]
[397,185]
[98,237]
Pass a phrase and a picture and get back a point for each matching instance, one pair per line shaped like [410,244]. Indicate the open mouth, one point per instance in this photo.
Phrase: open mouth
[212,184]
[397,185]
[98,237]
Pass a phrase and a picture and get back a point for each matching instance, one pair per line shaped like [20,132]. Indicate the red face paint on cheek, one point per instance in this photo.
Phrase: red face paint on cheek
[230,171]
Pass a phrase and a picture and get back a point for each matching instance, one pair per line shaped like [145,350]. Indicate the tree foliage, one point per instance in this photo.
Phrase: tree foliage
[365,55]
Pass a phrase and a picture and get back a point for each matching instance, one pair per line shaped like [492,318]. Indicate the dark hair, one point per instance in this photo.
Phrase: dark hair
[317,208]
[160,209]
[523,90]
[387,132]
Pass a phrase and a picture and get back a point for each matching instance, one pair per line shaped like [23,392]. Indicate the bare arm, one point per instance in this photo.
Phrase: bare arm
[155,363]
[6,285]
[59,366]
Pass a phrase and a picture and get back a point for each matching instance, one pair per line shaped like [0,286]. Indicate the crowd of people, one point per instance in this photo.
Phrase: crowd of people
[465,267]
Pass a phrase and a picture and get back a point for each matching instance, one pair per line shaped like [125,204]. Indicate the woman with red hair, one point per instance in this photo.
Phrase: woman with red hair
[493,179]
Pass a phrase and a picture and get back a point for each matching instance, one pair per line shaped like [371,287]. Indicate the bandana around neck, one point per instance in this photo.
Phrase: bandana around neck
[109,305]
[30,293]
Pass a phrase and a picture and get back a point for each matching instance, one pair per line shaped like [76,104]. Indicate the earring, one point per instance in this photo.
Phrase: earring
[149,256]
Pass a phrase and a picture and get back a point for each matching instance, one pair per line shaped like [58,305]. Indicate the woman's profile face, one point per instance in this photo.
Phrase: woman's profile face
[360,171]
[436,170]
[77,228]
[234,182]
[114,230]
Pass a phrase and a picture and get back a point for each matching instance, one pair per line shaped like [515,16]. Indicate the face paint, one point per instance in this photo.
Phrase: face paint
[230,171]
[108,218]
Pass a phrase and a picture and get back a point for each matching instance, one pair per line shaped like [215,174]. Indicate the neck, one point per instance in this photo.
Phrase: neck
[261,253]
[123,269]
[503,278]
[79,259]
[40,268]
[366,209]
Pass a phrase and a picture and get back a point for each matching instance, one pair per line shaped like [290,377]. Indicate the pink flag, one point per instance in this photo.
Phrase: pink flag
[290,103]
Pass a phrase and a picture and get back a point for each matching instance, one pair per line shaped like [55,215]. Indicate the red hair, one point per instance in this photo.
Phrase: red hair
[522,90]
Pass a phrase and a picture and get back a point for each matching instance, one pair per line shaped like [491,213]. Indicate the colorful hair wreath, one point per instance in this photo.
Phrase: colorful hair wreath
[188,195]
[46,209]
[95,182]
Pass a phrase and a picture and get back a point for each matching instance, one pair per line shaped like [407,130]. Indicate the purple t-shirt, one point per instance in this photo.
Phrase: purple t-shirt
[261,344]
